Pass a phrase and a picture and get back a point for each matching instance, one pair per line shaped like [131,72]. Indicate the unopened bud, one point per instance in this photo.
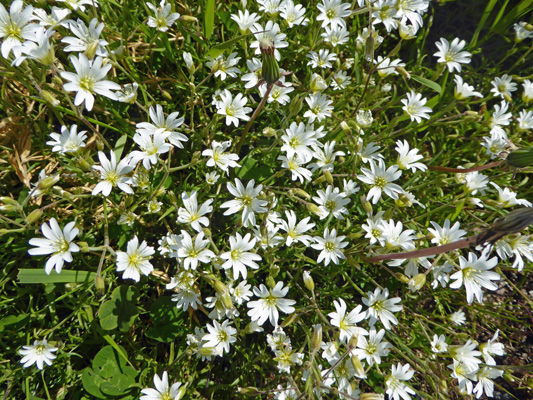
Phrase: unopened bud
[248,391]
[188,18]
[314,209]
[99,283]
[514,222]
[271,283]
[48,182]
[288,321]
[226,301]
[353,340]
[90,50]
[364,118]
[371,396]
[308,281]
[296,105]
[520,158]
[346,128]
[407,32]
[369,48]
[403,72]
[316,339]
[274,271]
[319,180]
[270,67]
[34,216]
[301,193]
[49,98]
[166,95]
[403,201]
[359,370]
[187,57]
[366,205]
[172,197]
[317,83]
[269,132]
[508,377]
[507,98]
[417,282]
[328,176]
[207,351]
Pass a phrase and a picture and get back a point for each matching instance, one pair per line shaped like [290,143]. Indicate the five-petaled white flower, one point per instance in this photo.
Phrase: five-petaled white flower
[163,19]
[414,106]
[191,214]
[332,13]
[58,242]
[381,180]
[245,200]
[451,54]
[160,124]
[112,174]
[332,202]
[69,141]
[396,387]
[89,80]
[270,301]
[220,336]
[233,108]
[347,323]
[239,257]
[474,274]
[193,251]
[381,308]
[15,27]
[39,353]
[330,245]
[135,260]
[162,389]
[219,158]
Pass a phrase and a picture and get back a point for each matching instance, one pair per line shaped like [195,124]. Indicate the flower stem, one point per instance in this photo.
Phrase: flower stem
[254,115]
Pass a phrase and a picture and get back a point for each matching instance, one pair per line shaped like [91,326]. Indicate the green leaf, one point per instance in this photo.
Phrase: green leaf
[91,383]
[14,322]
[426,82]
[209,18]
[30,276]
[252,169]
[119,312]
[119,146]
[482,21]
[218,49]
[166,320]
[117,385]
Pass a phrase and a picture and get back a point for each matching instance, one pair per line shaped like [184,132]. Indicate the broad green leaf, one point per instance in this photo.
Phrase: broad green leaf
[91,383]
[426,82]
[252,169]
[119,312]
[117,385]
[13,322]
[166,320]
[30,276]
[209,18]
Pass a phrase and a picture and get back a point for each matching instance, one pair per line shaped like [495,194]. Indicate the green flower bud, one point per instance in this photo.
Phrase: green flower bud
[308,281]
[316,339]
[521,158]
[34,216]
[270,67]
[249,391]
[49,98]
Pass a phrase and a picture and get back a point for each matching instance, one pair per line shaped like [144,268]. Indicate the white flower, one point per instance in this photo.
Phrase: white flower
[407,158]
[387,67]
[325,157]
[241,292]
[485,383]
[233,108]
[39,353]
[381,308]
[163,18]
[245,200]
[128,93]
[451,54]
[396,388]
[445,235]
[112,175]
[414,106]
[322,59]
[167,126]
[187,296]
[492,348]
[347,323]
[211,178]
[135,260]
[340,80]
[89,80]
[522,33]
[296,232]
[372,349]
[467,355]
[293,14]
[191,214]
[15,27]
[296,166]
[475,274]
[220,336]
[438,344]
[58,242]
[79,4]
[87,38]
[278,94]
[40,50]
[525,120]
[496,142]
[393,236]
[319,107]
[332,202]
[270,32]
[507,198]
[69,141]
[193,251]
[500,116]
[252,78]
[245,20]
[464,90]
[287,357]
[330,246]
[270,302]
[56,17]
[458,318]
[381,180]
[336,36]
[503,85]
[162,390]
[475,182]
[464,376]
[151,147]
[332,13]
[224,67]
[527,94]
[384,11]
[298,140]
[219,158]
[239,257]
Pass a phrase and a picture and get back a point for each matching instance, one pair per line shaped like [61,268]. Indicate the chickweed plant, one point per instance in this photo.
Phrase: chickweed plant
[224,199]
